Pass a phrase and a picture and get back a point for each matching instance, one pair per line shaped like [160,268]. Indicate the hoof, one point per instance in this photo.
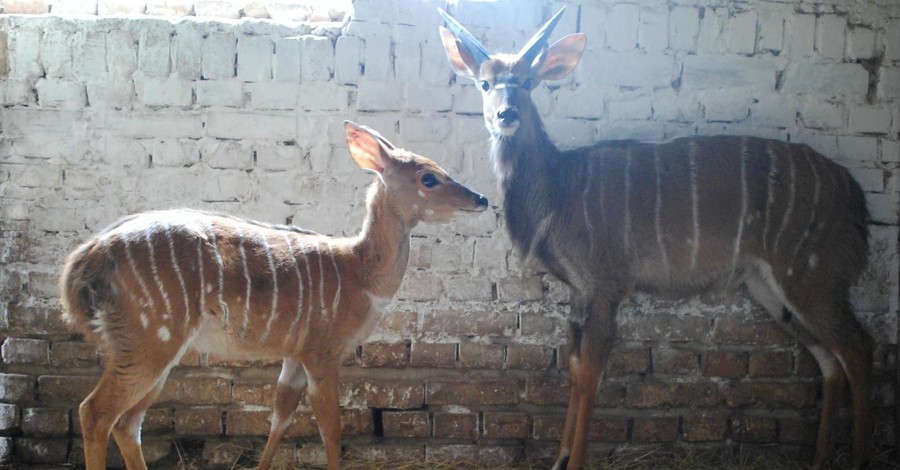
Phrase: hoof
[561,463]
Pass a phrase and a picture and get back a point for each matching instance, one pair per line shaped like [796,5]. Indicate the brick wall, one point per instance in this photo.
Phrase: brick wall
[106,116]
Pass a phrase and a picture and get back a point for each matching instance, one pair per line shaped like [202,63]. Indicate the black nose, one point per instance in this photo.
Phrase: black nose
[481,200]
[508,115]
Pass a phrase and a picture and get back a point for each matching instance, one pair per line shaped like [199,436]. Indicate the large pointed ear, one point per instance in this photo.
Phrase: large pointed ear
[368,148]
[460,60]
[560,59]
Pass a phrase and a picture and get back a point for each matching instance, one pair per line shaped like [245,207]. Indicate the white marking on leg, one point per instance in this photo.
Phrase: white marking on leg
[337,273]
[187,307]
[155,270]
[828,362]
[292,374]
[292,331]
[589,175]
[657,215]
[164,333]
[695,203]
[627,223]
[273,313]
[770,195]
[790,205]
[744,197]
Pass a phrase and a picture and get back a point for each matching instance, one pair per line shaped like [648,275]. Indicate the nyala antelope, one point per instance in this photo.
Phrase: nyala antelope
[673,218]
[153,285]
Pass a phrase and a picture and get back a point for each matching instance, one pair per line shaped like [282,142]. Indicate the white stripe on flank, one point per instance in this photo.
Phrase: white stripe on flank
[740,229]
[770,196]
[309,290]
[322,310]
[589,175]
[221,266]
[627,223]
[155,270]
[200,271]
[292,331]
[695,203]
[245,323]
[337,273]
[790,205]
[137,275]
[187,307]
[657,216]
[273,313]
[815,205]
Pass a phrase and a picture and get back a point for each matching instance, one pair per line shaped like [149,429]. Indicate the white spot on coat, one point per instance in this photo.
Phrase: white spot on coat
[145,322]
[164,333]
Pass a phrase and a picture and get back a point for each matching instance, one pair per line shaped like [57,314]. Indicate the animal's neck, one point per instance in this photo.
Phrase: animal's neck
[383,243]
[522,165]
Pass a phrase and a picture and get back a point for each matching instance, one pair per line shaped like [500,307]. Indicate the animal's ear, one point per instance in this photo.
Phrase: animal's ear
[560,59]
[368,148]
[460,60]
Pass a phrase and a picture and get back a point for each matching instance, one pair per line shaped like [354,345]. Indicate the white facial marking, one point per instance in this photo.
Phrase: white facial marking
[421,194]
[164,333]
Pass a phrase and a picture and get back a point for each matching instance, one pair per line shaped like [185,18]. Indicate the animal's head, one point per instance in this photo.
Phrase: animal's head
[419,186]
[506,80]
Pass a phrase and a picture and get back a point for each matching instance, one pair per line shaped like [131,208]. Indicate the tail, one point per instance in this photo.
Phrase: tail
[84,291]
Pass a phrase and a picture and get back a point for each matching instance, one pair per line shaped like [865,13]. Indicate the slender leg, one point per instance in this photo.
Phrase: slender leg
[855,356]
[596,341]
[565,444]
[832,389]
[127,430]
[116,393]
[291,384]
[323,396]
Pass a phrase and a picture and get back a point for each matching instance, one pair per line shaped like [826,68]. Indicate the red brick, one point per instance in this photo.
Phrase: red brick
[529,356]
[382,452]
[254,393]
[771,394]
[798,430]
[247,422]
[42,450]
[628,362]
[660,395]
[771,364]
[520,289]
[198,421]
[500,456]
[218,454]
[464,323]
[548,427]
[16,388]
[555,391]
[727,365]
[655,429]
[26,351]
[35,320]
[73,354]
[455,425]
[157,420]
[405,423]
[806,364]
[196,391]
[705,427]
[756,429]
[399,323]
[506,425]
[482,392]
[61,390]
[9,419]
[679,362]
[380,354]
[191,358]
[433,355]
[45,421]
[742,331]
[356,421]
[540,325]
[450,453]
[396,394]
[481,356]
[665,328]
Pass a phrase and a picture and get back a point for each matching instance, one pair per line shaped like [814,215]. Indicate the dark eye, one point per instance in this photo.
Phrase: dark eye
[429,180]
[484,85]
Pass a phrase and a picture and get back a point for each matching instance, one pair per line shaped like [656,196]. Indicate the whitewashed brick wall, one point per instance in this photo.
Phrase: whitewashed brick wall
[106,116]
